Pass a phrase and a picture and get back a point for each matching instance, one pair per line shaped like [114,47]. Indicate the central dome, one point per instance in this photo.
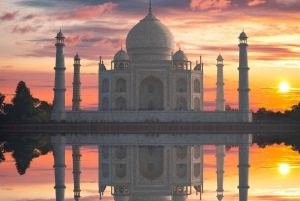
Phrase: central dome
[150,40]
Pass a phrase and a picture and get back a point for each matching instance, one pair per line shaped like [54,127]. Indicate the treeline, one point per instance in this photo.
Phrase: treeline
[264,115]
[24,107]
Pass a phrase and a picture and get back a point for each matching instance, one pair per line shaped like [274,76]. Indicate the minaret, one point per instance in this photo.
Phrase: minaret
[220,153]
[243,74]
[59,112]
[76,84]
[246,139]
[76,170]
[220,85]
[220,149]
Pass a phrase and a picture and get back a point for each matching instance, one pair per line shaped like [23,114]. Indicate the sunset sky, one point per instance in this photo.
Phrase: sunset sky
[200,27]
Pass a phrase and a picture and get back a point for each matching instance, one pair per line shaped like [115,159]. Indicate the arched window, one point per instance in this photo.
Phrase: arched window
[105,103]
[181,85]
[150,89]
[105,86]
[174,66]
[121,152]
[126,66]
[121,170]
[196,86]
[121,85]
[197,103]
[121,66]
[121,103]
[181,103]
[185,66]
[150,104]
[116,66]
[180,66]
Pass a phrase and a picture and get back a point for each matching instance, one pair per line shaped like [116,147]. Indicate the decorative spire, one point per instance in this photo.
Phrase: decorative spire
[150,7]
[121,47]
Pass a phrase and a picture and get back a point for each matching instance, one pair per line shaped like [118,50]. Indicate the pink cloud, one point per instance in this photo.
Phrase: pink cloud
[103,42]
[22,30]
[256,2]
[209,4]
[122,43]
[8,16]
[29,17]
[88,36]
[86,12]
[73,39]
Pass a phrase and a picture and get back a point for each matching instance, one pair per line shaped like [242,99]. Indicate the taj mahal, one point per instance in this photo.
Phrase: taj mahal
[147,82]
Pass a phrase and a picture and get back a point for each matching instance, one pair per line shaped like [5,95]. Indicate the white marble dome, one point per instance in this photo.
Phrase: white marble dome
[150,39]
[180,56]
[121,55]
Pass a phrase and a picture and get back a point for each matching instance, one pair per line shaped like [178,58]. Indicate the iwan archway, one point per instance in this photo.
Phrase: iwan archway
[151,93]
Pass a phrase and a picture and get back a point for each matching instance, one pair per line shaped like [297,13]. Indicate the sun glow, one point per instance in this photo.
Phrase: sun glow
[284,168]
[284,87]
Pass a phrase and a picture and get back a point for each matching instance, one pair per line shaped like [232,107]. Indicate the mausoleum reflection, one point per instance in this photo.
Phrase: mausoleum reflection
[142,172]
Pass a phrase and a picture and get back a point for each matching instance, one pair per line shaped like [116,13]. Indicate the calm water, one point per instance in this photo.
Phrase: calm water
[266,180]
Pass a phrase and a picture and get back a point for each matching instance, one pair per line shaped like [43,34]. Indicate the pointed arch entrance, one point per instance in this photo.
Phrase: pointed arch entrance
[151,93]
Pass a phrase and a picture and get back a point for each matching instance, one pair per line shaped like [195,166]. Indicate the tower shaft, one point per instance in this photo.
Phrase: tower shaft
[76,87]
[76,170]
[220,86]
[243,78]
[58,143]
[59,112]
[220,154]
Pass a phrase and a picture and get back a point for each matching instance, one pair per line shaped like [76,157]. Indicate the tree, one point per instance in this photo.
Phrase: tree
[23,103]
[2,98]
[295,112]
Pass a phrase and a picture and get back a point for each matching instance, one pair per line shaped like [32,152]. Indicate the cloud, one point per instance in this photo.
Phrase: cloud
[73,39]
[86,12]
[209,4]
[256,2]
[6,66]
[9,16]
[103,42]
[29,17]
[22,30]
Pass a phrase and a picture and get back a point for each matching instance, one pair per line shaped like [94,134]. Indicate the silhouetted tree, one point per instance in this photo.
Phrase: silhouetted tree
[2,98]
[23,102]
[24,149]
[228,108]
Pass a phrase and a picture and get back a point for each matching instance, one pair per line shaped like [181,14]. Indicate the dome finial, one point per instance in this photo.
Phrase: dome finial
[179,47]
[121,47]
[150,7]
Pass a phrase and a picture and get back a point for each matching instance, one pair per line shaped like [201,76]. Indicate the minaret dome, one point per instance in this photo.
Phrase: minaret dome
[243,37]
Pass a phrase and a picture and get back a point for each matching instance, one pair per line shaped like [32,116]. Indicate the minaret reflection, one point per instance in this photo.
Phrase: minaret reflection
[139,173]
[76,170]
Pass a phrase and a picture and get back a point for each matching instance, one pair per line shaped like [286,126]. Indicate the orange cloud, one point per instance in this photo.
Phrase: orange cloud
[86,12]
[209,4]
[256,2]
[22,30]
[8,16]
